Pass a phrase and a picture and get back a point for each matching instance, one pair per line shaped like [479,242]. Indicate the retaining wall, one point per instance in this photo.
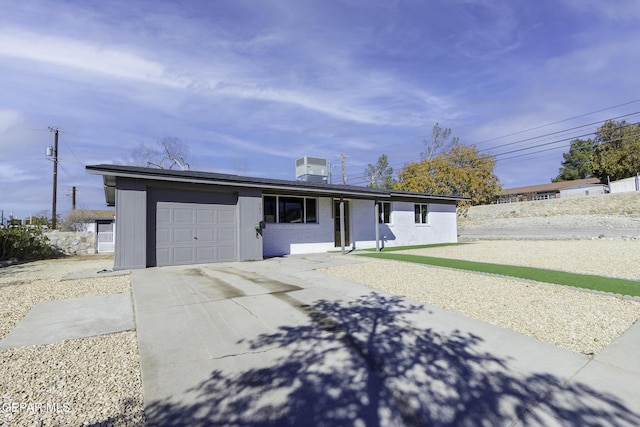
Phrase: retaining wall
[73,243]
[619,204]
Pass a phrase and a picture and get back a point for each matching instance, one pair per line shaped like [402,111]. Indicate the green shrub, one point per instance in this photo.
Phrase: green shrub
[25,244]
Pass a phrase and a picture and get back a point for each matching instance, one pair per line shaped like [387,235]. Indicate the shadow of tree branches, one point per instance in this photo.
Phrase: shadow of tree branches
[363,363]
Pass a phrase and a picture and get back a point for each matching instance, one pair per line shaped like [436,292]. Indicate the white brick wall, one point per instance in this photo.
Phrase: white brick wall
[282,239]
[403,231]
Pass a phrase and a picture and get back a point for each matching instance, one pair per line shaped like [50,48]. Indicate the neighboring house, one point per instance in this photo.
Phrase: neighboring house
[99,221]
[547,191]
[168,217]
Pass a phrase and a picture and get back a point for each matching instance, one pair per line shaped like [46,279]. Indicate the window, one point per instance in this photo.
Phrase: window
[269,208]
[290,209]
[311,211]
[385,213]
[421,213]
[284,209]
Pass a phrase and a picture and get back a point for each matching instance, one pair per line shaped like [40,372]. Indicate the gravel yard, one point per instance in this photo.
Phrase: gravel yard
[92,380]
[602,257]
[577,320]
[24,285]
[97,381]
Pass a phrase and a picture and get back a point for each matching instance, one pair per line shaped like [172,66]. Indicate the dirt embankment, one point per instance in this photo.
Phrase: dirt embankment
[601,216]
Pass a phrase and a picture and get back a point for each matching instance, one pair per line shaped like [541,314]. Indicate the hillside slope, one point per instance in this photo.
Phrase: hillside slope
[601,216]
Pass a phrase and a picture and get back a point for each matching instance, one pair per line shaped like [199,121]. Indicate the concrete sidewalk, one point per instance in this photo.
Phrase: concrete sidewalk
[52,321]
[278,342]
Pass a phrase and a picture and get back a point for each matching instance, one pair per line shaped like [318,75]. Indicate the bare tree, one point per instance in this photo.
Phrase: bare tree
[169,153]
[240,166]
[380,175]
[76,220]
[438,143]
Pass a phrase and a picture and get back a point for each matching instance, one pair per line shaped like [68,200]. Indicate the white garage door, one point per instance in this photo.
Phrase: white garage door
[188,230]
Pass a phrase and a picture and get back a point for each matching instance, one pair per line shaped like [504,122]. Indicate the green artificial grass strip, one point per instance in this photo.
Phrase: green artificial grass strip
[406,248]
[585,281]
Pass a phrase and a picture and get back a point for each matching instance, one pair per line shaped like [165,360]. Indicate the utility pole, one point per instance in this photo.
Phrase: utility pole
[344,176]
[73,198]
[55,176]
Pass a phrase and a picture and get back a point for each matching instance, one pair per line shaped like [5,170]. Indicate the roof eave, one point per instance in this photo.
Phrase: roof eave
[269,185]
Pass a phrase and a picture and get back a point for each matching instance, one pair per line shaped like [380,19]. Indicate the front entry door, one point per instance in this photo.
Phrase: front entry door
[336,222]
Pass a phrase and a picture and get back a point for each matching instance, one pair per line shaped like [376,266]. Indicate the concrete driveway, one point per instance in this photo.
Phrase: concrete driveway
[279,342]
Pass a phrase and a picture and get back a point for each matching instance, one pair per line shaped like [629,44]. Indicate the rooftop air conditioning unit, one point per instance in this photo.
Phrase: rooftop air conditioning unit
[312,169]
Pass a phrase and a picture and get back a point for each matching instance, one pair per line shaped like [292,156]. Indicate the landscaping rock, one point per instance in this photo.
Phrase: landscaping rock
[73,243]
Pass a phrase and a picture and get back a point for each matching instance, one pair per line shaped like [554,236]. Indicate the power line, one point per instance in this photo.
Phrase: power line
[559,121]
[68,147]
[532,153]
[542,145]
[560,131]
[624,138]
[360,179]
[558,141]
[64,170]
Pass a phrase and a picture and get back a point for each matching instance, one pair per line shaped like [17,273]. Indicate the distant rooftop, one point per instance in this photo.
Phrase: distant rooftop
[551,187]
[95,213]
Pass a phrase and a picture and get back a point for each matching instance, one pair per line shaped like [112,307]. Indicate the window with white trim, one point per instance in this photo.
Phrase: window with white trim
[421,211]
[290,210]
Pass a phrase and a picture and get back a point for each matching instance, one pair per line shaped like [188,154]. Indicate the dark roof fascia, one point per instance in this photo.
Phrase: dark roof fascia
[228,180]
[404,195]
[267,184]
[109,189]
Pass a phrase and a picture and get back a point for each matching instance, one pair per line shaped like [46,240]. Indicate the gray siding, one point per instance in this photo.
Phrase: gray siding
[136,217]
[131,220]
[249,213]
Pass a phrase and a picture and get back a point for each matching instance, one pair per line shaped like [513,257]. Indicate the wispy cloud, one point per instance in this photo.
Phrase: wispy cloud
[10,174]
[618,10]
[594,60]
[348,101]
[8,119]
[487,29]
[105,60]
[246,147]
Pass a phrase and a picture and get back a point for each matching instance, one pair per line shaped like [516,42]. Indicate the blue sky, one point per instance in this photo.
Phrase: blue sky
[249,86]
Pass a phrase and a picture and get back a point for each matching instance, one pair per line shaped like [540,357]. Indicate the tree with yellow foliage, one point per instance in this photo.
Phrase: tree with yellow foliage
[460,171]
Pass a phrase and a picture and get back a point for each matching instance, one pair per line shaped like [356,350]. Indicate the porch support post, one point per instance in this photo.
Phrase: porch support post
[342,227]
[377,225]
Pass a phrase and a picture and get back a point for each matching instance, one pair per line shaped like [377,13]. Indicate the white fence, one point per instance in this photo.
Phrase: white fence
[106,242]
[625,185]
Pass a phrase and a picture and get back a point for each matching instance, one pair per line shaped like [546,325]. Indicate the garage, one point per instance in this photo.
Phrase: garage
[189,227]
